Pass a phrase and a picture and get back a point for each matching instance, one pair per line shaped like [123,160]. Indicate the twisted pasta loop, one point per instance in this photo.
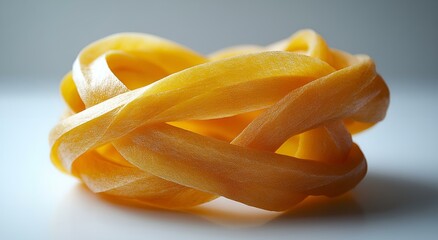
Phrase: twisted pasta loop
[266,126]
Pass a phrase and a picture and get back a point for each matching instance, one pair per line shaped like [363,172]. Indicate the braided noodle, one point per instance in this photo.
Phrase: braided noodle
[266,126]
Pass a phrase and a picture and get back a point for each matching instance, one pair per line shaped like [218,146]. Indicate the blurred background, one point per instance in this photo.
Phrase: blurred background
[39,41]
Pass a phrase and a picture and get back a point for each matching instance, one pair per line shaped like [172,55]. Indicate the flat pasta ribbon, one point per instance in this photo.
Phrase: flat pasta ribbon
[153,121]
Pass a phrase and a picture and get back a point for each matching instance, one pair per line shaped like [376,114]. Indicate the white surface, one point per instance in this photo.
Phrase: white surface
[398,198]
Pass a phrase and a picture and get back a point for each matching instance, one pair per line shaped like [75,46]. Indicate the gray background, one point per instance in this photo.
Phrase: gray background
[398,199]
[40,39]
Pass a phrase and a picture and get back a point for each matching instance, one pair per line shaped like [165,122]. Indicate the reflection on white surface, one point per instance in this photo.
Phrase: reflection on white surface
[381,203]
[399,196]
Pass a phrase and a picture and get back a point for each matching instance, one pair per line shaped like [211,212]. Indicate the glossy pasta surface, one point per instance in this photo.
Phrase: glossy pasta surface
[153,121]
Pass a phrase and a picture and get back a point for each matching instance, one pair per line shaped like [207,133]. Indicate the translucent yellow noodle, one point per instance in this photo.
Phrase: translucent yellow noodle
[154,121]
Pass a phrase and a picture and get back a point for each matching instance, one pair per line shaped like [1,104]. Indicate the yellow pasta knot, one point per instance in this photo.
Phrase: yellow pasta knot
[154,121]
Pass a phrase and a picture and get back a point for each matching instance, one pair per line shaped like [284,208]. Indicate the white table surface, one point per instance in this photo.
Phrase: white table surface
[398,199]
